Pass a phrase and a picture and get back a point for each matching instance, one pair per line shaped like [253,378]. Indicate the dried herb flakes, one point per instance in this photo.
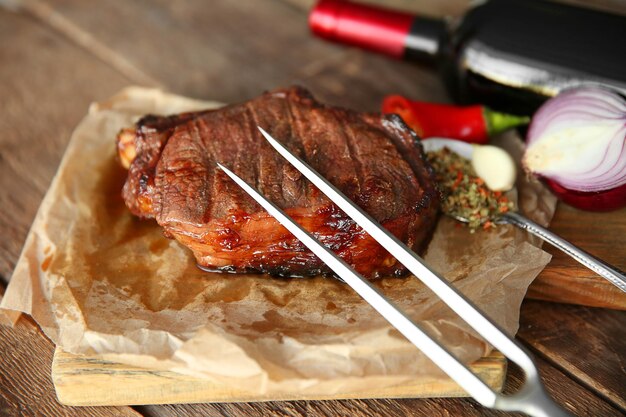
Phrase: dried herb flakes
[465,194]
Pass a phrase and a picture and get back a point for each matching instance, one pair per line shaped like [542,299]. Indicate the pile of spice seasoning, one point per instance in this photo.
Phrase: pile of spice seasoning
[465,194]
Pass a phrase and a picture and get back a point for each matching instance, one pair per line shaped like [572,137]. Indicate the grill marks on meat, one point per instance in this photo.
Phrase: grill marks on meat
[375,160]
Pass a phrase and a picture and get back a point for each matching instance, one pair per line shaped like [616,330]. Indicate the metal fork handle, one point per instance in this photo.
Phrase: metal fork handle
[610,273]
[531,399]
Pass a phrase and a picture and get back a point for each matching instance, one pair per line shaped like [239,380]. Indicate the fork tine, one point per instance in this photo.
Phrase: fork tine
[531,398]
[437,353]
[454,299]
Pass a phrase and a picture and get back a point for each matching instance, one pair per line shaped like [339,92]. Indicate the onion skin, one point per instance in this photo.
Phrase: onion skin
[576,143]
[607,200]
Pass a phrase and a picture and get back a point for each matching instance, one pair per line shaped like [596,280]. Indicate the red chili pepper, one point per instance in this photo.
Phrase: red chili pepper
[473,124]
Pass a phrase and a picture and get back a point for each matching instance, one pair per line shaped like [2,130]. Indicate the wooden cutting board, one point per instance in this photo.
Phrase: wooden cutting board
[85,380]
[564,279]
[82,380]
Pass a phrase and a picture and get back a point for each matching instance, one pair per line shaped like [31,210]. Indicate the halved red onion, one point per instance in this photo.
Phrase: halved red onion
[577,141]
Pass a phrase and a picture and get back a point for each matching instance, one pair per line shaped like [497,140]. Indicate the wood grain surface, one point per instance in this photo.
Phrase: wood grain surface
[46,90]
[86,380]
[589,344]
[602,235]
[59,55]
[573,396]
[25,357]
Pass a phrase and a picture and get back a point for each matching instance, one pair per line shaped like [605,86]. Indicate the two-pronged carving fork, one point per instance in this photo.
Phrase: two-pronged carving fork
[531,399]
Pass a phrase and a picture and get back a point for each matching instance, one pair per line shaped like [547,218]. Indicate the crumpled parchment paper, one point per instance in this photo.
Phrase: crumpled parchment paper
[100,281]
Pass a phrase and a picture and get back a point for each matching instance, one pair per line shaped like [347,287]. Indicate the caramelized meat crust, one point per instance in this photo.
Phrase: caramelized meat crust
[375,160]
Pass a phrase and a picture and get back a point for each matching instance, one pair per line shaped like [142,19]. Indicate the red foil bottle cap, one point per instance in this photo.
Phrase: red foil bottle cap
[373,28]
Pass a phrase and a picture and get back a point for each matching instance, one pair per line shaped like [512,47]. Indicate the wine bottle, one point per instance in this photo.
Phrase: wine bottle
[509,54]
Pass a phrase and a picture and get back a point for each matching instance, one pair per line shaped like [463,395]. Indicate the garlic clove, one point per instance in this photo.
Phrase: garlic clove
[495,166]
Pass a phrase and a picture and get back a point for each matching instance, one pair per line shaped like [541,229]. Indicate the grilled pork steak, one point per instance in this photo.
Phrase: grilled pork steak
[375,160]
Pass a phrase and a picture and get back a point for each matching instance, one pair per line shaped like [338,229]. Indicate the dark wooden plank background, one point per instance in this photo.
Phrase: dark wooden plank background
[57,56]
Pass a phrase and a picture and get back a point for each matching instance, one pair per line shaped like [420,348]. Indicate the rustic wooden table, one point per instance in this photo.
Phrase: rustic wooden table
[57,56]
